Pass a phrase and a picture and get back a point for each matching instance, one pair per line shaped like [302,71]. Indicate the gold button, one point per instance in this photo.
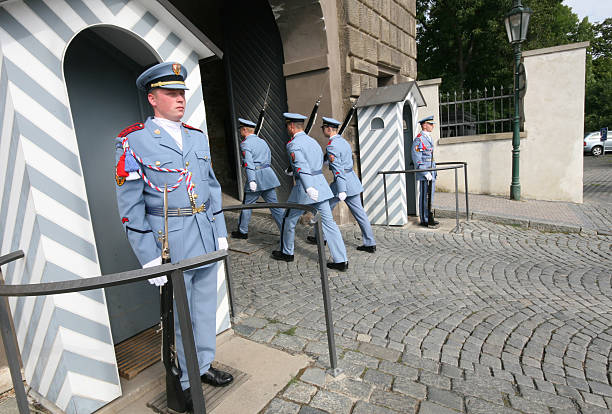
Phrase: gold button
[213,219]
[157,132]
[159,232]
[195,196]
[157,163]
[206,157]
[187,164]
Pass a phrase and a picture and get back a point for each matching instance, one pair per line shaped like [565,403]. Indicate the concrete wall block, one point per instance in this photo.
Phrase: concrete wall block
[396,59]
[395,12]
[393,34]
[410,6]
[352,12]
[355,42]
[412,47]
[411,29]
[377,6]
[363,17]
[375,28]
[360,66]
[355,81]
[406,65]
[386,9]
[384,31]
[384,54]
[371,50]
[365,82]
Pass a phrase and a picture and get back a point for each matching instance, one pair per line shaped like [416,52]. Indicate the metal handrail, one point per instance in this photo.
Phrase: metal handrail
[455,167]
[176,273]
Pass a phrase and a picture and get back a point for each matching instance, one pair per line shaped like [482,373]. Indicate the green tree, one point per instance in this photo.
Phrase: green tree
[598,104]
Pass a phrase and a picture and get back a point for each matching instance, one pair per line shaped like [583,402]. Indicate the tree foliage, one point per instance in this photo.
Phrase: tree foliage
[465,43]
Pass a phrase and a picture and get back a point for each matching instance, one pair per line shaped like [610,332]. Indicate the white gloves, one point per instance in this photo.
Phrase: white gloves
[222,242]
[428,176]
[288,171]
[253,185]
[342,196]
[157,281]
[312,193]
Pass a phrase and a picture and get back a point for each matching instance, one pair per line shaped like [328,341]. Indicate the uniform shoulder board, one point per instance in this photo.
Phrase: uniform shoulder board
[135,127]
[190,127]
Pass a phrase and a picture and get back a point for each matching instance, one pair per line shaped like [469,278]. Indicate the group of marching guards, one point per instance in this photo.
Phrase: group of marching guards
[168,195]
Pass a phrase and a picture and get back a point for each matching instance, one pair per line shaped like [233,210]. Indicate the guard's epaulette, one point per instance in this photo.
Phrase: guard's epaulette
[190,127]
[135,127]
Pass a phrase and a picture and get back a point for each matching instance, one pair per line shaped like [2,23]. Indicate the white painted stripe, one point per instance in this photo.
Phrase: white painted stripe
[157,35]
[65,12]
[180,53]
[38,28]
[13,204]
[24,244]
[39,337]
[55,356]
[53,169]
[129,15]
[89,347]
[42,118]
[77,384]
[198,117]
[5,136]
[83,306]
[28,305]
[223,307]
[63,216]
[99,9]
[69,259]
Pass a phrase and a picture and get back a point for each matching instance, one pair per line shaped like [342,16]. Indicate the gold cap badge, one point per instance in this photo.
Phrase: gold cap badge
[176,68]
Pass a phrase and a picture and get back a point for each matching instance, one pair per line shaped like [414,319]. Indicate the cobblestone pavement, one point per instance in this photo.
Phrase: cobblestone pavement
[597,179]
[496,319]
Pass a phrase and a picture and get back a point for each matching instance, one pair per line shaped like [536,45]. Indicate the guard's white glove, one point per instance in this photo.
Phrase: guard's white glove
[342,196]
[222,242]
[288,171]
[428,176]
[160,280]
[253,185]
[312,193]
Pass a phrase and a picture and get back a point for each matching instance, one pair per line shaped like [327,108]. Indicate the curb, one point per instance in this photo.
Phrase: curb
[545,226]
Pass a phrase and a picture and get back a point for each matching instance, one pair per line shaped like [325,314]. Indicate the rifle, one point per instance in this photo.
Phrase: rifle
[262,113]
[174,392]
[348,118]
[313,115]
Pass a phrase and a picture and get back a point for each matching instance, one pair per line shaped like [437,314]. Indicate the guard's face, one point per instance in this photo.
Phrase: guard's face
[168,103]
[428,127]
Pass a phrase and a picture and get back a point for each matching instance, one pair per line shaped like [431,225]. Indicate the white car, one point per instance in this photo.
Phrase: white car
[594,145]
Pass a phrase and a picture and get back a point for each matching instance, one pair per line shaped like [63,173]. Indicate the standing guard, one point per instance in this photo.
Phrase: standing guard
[163,153]
[261,179]
[310,187]
[346,185]
[422,155]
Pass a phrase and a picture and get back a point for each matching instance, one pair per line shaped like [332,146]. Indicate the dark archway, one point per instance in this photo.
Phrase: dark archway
[100,79]
[411,185]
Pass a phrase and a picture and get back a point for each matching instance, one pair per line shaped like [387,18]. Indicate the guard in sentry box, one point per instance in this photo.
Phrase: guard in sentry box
[261,179]
[346,185]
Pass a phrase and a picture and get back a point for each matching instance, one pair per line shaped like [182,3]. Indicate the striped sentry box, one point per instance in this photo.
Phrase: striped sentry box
[65,340]
[381,148]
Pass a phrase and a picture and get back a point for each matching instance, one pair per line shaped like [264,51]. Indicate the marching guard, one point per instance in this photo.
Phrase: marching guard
[164,152]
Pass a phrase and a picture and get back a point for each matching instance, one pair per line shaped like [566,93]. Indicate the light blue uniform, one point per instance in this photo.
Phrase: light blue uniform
[188,236]
[256,159]
[422,156]
[340,158]
[306,159]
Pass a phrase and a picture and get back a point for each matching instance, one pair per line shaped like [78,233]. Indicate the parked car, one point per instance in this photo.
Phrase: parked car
[594,145]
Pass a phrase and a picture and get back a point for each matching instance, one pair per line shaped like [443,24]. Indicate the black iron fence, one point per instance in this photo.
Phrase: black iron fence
[175,270]
[489,111]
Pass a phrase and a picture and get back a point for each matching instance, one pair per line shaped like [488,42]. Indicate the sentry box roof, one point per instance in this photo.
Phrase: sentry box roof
[390,94]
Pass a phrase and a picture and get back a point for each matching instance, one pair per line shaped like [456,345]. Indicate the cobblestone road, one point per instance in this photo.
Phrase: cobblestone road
[597,179]
[498,319]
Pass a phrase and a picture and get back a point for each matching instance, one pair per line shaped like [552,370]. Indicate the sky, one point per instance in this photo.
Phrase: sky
[595,10]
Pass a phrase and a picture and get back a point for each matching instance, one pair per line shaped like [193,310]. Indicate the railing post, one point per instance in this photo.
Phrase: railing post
[230,286]
[467,201]
[331,340]
[456,198]
[386,205]
[12,353]
[191,358]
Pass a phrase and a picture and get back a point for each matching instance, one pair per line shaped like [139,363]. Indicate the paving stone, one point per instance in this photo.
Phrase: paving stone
[435,380]
[314,376]
[594,399]
[410,388]
[399,370]
[445,398]
[292,343]
[263,335]
[254,322]
[278,406]
[547,399]
[358,358]
[477,406]
[352,388]
[393,401]
[523,404]
[428,407]
[363,407]
[309,410]
[331,402]
[378,379]
[300,392]
[244,330]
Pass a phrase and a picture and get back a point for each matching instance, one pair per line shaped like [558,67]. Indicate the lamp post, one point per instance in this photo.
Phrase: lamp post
[516,21]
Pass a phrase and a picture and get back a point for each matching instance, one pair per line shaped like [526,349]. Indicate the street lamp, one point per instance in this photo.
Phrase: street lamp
[516,21]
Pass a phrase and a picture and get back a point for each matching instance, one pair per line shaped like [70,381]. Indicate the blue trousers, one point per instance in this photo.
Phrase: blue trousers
[330,230]
[201,286]
[354,204]
[423,206]
[250,197]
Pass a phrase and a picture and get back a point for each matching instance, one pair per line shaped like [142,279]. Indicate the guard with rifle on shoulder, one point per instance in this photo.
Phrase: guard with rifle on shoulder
[166,159]
[422,156]
[346,185]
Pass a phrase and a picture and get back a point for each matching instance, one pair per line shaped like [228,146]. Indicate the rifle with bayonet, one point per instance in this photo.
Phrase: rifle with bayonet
[174,392]
[348,118]
[262,113]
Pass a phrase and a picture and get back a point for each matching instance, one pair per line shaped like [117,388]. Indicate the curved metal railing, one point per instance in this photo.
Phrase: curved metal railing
[175,270]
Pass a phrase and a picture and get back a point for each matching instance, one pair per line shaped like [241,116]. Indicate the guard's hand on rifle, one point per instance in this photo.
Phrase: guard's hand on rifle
[253,185]
[312,193]
[288,171]
[342,196]
[157,281]
[222,242]
[428,176]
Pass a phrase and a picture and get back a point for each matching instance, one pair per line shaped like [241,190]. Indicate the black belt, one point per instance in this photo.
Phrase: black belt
[348,170]
[316,172]
[177,212]
[261,167]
